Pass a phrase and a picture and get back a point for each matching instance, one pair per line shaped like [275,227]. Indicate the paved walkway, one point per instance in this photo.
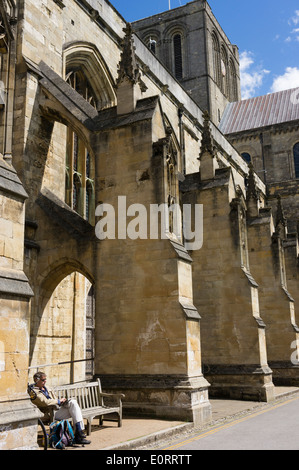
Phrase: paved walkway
[137,433]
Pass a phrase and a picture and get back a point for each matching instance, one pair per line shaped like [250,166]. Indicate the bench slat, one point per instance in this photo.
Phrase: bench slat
[94,397]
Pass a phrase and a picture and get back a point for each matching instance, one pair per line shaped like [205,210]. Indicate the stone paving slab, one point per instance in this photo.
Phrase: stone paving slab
[136,433]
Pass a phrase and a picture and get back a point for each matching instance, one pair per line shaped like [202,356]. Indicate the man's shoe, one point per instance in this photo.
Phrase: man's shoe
[80,438]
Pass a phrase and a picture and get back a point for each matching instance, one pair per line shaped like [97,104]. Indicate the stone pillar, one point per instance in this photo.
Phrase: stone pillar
[291,255]
[266,252]
[225,293]
[148,332]
[291,252]
[18,417]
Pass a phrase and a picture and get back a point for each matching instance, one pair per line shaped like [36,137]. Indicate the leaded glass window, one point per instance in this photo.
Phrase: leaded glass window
[79,191]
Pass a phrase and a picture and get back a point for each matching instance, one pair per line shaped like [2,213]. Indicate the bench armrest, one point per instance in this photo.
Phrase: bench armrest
[116,396]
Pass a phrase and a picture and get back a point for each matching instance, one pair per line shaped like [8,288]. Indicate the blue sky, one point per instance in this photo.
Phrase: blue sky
[266,32]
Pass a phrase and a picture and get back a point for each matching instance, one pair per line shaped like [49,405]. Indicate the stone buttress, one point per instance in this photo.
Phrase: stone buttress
[225,292]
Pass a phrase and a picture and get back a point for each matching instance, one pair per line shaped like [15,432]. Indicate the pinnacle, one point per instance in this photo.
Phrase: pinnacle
[207,139]
[128,66]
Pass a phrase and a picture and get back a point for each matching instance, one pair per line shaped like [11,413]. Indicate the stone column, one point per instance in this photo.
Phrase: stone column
[267,260]
[225,292]
[18,417]
[291,252]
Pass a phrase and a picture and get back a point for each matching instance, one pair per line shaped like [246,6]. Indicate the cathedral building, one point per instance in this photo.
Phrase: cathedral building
[148,217]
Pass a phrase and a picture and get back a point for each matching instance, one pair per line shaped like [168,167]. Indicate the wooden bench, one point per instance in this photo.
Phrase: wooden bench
[91,401]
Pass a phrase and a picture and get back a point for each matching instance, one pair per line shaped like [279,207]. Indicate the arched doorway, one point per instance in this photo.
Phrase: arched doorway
[63,332]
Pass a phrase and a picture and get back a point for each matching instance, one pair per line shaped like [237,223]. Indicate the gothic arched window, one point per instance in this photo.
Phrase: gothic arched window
[79,178]
[77,80]
[296,159]
[246,156]
[224,72]
[152,45]
[233,92]
[216,60]
[178,56]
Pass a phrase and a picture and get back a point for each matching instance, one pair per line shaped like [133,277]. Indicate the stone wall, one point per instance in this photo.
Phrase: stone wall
[271,151]
[147,346]
[160,311]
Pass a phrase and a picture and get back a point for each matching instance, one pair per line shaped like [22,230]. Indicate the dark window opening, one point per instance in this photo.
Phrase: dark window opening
[178,58]
[246,157]
[152,46]
[296,159]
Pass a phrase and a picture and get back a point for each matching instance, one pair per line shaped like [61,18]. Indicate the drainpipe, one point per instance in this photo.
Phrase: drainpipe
[263,156]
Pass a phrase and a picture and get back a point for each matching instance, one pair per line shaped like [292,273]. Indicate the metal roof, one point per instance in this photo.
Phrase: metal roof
[267,110]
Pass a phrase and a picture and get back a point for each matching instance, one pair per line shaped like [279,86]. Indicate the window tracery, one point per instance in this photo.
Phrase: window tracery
[77,80]
[79,191]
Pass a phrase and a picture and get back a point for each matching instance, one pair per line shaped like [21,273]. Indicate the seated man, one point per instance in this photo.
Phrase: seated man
[63,409]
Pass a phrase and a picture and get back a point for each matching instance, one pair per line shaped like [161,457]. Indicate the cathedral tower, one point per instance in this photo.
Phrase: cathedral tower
[190,42]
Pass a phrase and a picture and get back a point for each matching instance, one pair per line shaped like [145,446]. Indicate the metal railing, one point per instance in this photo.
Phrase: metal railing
[43,366]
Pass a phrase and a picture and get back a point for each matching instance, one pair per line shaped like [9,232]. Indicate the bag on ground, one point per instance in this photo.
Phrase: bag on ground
[61,434]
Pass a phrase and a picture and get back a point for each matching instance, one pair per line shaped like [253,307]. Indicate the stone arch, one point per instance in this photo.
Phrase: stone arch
[249,149]
[83,57]
[246,156]
[59,270]
[153,41]
[58,333]
[86,56]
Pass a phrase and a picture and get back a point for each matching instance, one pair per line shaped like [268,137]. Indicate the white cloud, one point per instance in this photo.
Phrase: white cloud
[251,76]
[295,18]
[246,60]
[290,79]
[296,32]
[294,21]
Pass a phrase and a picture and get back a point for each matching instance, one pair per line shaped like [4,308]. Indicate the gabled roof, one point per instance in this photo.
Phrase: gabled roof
[262,111]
